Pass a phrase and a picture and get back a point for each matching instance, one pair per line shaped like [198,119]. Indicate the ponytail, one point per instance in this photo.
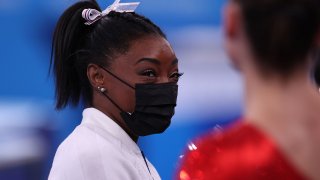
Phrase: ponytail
[69,38]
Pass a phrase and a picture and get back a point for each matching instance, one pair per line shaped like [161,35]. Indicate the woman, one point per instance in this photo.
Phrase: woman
[271,43]
[124,70]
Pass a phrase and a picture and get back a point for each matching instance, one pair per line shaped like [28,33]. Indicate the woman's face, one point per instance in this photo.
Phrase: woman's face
[148,60]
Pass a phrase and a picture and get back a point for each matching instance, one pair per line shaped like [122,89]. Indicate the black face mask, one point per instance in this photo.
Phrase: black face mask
[155,104]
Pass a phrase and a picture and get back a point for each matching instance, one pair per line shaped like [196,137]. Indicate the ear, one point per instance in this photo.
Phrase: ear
[233,33]
[95,76]
[231,20]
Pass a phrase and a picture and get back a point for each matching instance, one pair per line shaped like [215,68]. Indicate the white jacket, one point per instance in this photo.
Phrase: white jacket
[99,149]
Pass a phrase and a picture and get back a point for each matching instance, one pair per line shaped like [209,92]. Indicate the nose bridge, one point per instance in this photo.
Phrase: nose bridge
[163,79]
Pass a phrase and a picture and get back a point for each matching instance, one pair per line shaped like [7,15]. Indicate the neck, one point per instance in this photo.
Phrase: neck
[113,113]
[288,112]
[279,102]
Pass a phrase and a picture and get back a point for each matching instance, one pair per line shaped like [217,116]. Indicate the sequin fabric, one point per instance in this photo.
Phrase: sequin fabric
[242,152]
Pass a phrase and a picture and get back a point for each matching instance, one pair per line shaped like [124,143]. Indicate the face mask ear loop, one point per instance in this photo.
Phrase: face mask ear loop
[124,82]
[115,104]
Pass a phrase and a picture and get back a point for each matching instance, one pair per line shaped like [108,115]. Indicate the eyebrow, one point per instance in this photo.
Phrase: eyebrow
[155,61]
[175,61]
[151,60]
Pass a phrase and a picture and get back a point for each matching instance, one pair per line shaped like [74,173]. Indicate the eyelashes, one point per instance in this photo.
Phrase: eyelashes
[176,75]
[151,75]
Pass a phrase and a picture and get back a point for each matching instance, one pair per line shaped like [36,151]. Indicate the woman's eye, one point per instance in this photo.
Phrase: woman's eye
[149,73]
[176,75]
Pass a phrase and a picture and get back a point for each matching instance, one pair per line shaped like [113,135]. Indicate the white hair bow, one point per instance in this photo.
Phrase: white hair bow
[93,15]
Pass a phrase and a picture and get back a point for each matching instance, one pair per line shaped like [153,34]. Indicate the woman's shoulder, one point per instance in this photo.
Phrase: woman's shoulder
[84,142]
[241,151]
[86,155]
[213,150]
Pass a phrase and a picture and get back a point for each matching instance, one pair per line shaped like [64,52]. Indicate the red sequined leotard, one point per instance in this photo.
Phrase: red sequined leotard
[243,152]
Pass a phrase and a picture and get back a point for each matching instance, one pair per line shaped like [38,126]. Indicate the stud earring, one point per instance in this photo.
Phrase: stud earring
[101,89]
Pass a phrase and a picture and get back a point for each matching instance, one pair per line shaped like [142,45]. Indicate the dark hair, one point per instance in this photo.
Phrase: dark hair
[281,32]
[76,45]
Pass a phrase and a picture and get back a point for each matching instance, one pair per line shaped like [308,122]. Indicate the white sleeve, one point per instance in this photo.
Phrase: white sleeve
[77,158]
[81,157]
[66,165]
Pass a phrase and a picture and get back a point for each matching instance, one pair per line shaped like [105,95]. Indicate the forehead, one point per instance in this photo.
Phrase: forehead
[149,47]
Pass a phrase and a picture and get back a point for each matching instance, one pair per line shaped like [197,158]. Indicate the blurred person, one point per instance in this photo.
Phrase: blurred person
[124,70]
[271,43]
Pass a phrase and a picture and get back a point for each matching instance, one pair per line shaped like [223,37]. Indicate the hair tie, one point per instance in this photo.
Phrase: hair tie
[93,15]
